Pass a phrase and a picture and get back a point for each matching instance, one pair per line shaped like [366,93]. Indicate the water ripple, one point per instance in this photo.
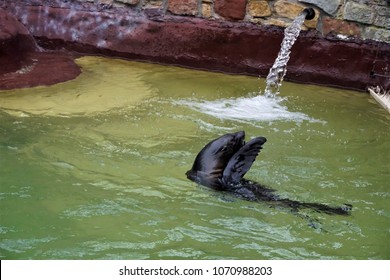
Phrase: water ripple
[23,245]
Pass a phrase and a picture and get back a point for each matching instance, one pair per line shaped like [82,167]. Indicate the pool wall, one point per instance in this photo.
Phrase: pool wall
[230,36]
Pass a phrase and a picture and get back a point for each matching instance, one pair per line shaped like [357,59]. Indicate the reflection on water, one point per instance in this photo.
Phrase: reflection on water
[85,95]
[94,168]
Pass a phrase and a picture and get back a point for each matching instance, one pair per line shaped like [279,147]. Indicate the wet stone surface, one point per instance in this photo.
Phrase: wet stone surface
[24,63]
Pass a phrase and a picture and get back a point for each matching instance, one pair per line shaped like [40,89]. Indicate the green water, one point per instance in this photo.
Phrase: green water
[94,168]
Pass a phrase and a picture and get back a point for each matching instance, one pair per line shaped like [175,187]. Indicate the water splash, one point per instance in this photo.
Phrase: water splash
[279,68]
[262,108]
[247,109]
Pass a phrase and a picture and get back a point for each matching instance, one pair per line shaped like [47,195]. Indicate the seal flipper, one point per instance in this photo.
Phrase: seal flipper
[242,161]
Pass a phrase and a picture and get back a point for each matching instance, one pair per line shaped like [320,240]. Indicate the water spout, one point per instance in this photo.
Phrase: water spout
[279,68]
[310,14]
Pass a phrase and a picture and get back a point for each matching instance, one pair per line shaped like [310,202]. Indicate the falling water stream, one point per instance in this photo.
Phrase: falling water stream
[268,106]
[270,102]
[279,68]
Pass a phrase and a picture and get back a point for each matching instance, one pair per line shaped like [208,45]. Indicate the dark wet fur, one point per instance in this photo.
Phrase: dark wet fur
[223,162]
[252,191]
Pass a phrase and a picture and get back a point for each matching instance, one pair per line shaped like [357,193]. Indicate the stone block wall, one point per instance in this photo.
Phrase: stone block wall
[220,35]
[365,19]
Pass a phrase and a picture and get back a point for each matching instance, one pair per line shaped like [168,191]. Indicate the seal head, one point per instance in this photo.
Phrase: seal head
[225,160]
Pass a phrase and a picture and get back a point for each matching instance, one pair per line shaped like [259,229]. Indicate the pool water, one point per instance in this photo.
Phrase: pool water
[94,168]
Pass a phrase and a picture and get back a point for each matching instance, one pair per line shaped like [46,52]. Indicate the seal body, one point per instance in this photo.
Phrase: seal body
[222,164]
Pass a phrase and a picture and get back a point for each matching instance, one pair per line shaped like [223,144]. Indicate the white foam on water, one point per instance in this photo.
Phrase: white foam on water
[257,108]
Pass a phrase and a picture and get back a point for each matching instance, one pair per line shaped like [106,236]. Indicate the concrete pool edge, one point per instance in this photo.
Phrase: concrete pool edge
[231,47]
[25,64]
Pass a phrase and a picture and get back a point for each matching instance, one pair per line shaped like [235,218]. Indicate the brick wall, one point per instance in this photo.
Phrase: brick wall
[366,19]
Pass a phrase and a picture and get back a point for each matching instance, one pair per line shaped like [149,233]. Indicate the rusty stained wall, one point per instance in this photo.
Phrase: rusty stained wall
[364,19]
[235,36]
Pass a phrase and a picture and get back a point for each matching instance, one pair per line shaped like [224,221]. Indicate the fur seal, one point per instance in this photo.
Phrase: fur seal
[222,164]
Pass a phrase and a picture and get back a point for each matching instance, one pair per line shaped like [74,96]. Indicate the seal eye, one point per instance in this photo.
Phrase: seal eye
[224,149]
